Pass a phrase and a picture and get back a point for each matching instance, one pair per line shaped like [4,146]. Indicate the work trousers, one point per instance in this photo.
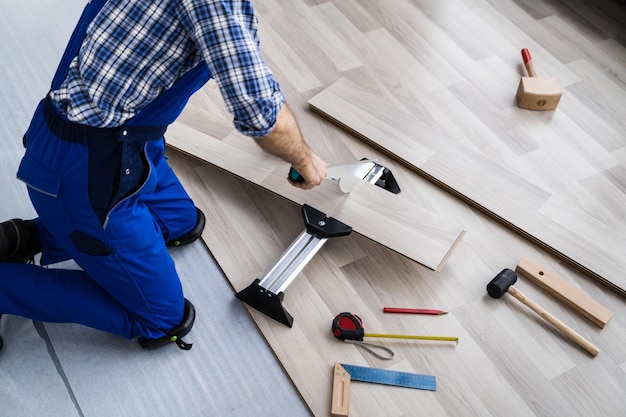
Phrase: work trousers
[109,205]
[107,199]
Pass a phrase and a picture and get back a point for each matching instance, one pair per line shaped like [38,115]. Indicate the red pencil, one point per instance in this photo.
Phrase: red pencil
[413,311]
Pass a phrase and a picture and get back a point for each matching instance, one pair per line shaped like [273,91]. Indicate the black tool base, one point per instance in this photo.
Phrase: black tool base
[266,302]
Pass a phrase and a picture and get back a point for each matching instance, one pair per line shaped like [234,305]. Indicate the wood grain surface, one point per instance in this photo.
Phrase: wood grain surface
[390,219]
[565,205]
[447,71]
[508,360]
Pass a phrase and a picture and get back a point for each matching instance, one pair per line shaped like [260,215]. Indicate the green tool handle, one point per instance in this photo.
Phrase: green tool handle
[295,175]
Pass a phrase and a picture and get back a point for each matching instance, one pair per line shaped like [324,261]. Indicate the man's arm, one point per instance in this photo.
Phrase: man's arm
[287,142]
[228,40]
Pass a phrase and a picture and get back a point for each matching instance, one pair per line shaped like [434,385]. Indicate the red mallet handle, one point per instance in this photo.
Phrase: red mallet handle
[528,62]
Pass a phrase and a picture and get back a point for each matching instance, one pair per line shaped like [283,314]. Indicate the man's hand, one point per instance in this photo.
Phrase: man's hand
[313,173]
[287,142]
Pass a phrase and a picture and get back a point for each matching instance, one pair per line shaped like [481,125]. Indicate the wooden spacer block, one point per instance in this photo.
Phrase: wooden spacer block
[565,292]
[536,93]
[341,392]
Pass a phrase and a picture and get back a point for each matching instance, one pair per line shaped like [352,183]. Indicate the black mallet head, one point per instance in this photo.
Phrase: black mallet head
[501,283]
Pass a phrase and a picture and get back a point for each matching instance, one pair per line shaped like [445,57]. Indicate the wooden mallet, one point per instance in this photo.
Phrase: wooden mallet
[535,93]
[503,283]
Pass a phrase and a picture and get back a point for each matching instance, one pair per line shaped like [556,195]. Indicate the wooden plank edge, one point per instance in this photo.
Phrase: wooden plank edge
[452,249]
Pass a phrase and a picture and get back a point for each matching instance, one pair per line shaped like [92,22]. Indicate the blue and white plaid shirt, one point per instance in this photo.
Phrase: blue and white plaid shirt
[135,49]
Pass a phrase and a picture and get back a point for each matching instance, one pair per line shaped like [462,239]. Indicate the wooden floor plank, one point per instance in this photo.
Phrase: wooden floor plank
[447,72]
[551,217]
[507,362]
[388,218]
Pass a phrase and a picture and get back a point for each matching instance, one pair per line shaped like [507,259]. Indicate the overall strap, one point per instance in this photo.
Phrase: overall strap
[76,40]
[150,123]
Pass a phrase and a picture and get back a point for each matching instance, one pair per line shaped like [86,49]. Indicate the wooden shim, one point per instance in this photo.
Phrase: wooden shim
[341,392]
[565,292]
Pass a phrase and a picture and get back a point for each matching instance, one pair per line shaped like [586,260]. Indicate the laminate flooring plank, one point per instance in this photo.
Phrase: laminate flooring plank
[319,42]
[508,360]
[355,11]
[589,47]
[511,198]
[567,163]
[490,111]
[603,95]
[474,107]
[382,216]
[286,57]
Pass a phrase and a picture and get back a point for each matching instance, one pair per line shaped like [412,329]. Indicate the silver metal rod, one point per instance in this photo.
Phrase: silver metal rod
[285,259]
[299,263]
[291,262]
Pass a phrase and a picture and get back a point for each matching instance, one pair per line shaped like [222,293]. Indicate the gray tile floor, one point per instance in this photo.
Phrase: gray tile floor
[69,370]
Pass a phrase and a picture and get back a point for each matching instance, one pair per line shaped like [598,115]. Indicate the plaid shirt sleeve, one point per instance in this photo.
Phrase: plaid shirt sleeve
[226,33]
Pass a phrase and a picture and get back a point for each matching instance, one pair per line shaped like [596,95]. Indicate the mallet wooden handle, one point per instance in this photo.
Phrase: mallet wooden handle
[528,62]
[569,332]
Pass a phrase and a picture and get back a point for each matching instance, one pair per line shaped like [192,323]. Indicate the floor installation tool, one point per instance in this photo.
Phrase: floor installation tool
[343,374]
[503,283]
[537,93]
[266,294]
[565,292]
[349,175]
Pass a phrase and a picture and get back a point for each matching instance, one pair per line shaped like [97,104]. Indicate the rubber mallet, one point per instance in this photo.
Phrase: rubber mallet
[503,283]
[537,93]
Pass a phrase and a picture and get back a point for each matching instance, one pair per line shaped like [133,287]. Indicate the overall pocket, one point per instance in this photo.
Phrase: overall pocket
[39,177]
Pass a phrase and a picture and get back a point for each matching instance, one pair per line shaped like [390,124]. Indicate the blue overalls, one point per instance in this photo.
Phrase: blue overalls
[107,199]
